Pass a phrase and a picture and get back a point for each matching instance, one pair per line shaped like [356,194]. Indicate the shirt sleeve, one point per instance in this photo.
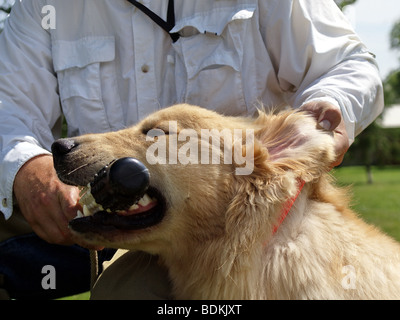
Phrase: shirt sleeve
[317,55]
[29,103]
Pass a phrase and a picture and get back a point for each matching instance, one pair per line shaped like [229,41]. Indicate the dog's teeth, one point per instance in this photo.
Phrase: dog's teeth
[86,198]
[134,207]
[85,190]
[94,206]
[89,204]
[86,211]
[79,214]
[145,200]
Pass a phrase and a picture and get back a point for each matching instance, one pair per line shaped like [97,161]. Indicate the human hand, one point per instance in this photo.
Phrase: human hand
[330,118]
[46,203]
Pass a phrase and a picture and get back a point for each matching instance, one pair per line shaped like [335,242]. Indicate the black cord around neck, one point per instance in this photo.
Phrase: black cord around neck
[166,25]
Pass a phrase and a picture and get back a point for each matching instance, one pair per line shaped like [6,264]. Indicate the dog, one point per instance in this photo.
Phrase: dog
[277,229]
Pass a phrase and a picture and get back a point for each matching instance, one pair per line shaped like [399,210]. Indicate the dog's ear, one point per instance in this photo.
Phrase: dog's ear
[286,147]
[291,142]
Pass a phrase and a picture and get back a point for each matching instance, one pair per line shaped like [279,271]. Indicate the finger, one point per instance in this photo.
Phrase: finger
[61,234]
[341,143]
[68,199]
[327,115]
[65,210]
[36,189]
[53,221]
[48,229]
[329,119]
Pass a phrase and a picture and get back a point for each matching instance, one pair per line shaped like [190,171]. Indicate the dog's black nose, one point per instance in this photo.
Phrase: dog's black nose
[62,147]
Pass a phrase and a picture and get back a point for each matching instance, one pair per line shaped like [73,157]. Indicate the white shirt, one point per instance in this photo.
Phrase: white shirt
[110,65]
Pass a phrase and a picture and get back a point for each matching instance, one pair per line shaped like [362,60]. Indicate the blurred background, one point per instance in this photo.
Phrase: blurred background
[372,165]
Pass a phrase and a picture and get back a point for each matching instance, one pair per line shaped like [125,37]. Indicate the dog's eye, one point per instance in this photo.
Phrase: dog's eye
[154,132]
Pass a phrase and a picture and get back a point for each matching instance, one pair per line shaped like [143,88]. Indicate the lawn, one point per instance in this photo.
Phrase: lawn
[377,203]
[81,296]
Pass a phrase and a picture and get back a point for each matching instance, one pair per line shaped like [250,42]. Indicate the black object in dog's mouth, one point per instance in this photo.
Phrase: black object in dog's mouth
[119,198]
[103,220]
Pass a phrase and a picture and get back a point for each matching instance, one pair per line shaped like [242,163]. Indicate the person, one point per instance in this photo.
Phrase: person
[104,65]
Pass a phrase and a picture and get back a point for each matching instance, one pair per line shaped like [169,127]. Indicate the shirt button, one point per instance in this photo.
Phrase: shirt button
[170,59]
[4,202]
[145,68]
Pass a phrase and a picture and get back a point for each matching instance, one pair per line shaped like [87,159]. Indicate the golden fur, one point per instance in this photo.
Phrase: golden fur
[216,238]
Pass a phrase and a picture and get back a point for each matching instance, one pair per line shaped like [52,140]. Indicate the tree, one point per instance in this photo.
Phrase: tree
[376,145]
[395,36]
[391,87]
[392,82]
[343,3]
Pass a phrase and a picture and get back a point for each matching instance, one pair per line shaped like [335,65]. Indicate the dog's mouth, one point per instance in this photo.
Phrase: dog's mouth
[110,205]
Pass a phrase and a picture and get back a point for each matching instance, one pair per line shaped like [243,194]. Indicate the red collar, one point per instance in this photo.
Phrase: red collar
[288,205]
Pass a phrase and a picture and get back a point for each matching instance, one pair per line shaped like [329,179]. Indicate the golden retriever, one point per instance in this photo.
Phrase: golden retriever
[217,229]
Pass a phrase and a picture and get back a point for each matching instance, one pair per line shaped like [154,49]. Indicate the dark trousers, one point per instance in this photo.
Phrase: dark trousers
[31,268]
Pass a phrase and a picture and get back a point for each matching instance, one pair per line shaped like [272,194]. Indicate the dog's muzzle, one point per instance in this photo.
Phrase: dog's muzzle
[119,197]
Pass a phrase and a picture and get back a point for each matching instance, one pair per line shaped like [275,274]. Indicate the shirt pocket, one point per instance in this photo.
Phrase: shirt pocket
[210,54]
[78,65]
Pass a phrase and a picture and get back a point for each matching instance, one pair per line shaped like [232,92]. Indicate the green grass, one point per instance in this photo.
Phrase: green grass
[377,203]
[81,296]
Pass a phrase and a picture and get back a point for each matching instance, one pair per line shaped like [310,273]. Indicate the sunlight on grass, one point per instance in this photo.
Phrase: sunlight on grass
[377,203]
[81,296]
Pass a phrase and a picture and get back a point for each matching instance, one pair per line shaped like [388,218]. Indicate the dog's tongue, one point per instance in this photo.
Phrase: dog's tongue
[103,221]
[140,207]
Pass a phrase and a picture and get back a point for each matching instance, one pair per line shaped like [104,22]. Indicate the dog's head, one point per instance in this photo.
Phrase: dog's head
[210,176]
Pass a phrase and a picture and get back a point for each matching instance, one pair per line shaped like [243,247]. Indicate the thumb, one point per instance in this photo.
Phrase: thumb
[68,198]
[327,115]
[329,119]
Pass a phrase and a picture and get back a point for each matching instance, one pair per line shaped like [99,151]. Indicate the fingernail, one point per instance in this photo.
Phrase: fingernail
[325,124]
